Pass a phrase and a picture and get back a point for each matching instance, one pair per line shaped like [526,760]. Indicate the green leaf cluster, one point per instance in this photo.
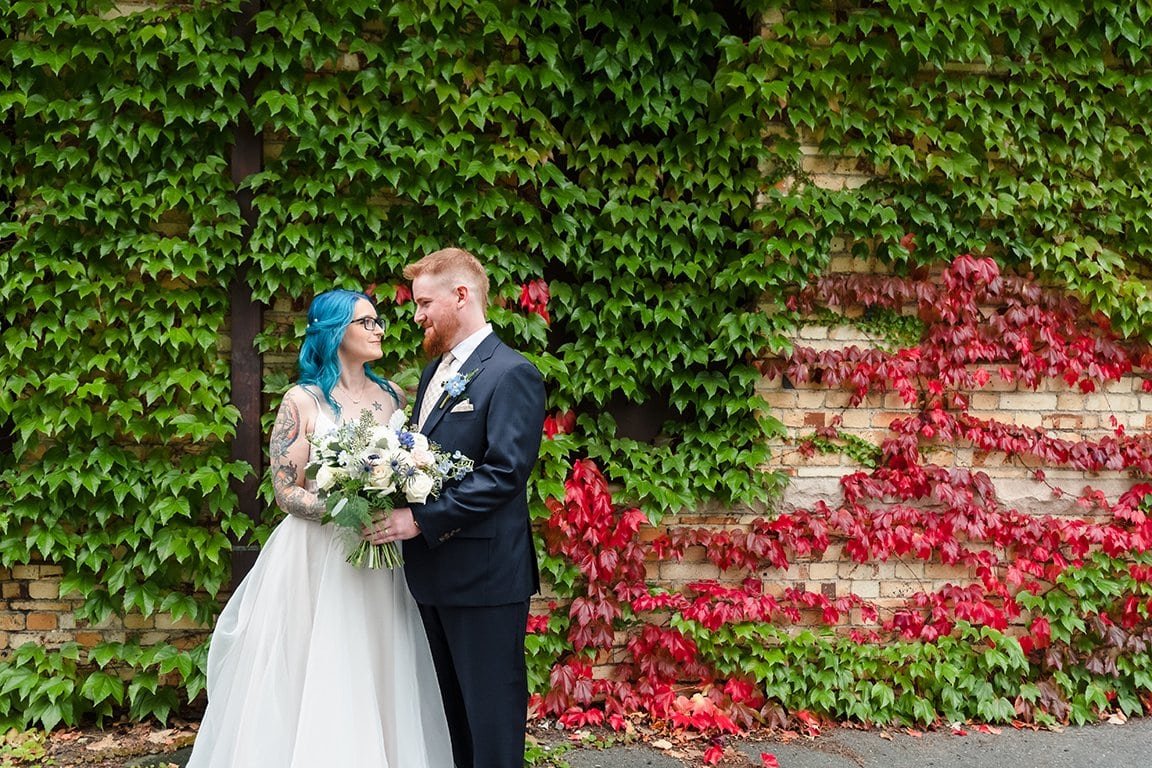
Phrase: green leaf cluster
[1016,131]
[119,238]
[647,160]
[974,674]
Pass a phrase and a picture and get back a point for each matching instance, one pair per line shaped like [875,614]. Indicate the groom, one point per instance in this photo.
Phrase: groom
[468,555]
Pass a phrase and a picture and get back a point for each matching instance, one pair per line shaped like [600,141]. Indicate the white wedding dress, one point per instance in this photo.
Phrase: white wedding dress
[317,664]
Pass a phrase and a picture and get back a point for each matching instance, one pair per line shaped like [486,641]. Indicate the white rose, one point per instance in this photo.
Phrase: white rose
[419,442]
[324,477]
[382,478]
[422,458]
[419,486]
[380,435]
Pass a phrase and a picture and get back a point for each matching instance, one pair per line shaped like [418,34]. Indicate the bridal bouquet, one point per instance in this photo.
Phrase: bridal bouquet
[365,466]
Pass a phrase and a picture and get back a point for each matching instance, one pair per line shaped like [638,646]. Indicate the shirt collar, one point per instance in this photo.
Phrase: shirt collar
[465,348]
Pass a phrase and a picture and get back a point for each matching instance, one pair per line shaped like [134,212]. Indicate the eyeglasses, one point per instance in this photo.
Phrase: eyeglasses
[369,323]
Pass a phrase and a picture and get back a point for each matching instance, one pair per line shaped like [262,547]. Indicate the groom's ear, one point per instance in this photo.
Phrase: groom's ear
[462,293]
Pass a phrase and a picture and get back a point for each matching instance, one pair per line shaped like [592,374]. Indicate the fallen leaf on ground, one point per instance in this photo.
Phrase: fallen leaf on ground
[108,742]
[885,735]
[161,737]
[662,744]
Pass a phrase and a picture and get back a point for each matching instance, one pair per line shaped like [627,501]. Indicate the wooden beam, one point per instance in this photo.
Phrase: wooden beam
[247,320]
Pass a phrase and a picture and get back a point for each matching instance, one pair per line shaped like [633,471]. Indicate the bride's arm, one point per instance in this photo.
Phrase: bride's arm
[288,450]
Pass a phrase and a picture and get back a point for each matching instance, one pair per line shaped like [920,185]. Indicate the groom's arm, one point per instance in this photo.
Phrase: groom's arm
[514,424]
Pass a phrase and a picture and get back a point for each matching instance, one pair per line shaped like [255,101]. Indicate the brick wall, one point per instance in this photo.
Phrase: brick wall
[32,610]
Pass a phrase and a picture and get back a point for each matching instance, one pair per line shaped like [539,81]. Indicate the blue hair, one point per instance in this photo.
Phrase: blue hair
[319,363]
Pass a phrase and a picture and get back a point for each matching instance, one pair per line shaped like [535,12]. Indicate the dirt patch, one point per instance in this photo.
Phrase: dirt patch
[114,746]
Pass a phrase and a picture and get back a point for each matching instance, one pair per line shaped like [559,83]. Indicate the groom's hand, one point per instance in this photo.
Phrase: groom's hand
[399,525]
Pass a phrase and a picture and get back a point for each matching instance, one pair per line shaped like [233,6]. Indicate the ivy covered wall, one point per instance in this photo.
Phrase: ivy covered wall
[640,177]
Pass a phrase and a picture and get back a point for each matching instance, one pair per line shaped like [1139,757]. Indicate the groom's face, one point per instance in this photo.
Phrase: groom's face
[437,312]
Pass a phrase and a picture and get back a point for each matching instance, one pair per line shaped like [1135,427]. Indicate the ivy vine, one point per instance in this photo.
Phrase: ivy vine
[633,173]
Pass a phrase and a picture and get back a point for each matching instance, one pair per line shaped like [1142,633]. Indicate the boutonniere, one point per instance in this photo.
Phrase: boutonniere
[456,385]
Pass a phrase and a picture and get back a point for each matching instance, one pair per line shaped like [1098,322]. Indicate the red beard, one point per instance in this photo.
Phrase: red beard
[437,338]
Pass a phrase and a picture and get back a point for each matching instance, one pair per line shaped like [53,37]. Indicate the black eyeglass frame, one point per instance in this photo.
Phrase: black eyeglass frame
[368,323]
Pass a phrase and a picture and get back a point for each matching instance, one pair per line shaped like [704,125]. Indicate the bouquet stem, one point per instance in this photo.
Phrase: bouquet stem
[369,555]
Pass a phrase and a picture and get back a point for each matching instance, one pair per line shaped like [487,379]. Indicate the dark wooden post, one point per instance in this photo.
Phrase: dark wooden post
[247,318]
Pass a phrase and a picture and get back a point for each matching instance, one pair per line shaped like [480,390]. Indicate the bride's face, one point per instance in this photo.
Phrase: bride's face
[359,342]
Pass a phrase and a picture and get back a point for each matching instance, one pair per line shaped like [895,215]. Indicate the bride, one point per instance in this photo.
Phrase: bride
[313,662]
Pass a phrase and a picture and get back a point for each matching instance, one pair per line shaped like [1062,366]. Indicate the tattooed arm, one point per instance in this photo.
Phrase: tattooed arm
[289,455]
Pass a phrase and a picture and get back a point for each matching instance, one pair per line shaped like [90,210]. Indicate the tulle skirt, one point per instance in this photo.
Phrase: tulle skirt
[317,664]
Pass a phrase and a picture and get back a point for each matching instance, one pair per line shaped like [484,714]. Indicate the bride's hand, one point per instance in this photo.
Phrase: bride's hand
[377,532]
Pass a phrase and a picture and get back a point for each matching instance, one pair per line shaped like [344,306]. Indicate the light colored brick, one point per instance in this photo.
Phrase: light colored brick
[849,333]
[807,400]
[1031,419]
[136,621]
[899,588]
[685,572]
[858,571]
[44,590]
[1069,401]
[823,571]
[884,419]
[11,621]
[868,590]
[950,573]
[40,605]
[984,401]
[781,400]
[1029,402]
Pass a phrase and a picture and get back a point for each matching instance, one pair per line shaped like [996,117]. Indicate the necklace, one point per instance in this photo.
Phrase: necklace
[355,400]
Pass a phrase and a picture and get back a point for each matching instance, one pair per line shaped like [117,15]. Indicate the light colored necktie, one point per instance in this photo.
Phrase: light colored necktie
[435,388]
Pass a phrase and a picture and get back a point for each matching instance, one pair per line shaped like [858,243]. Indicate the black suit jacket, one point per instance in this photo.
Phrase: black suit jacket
[475,546]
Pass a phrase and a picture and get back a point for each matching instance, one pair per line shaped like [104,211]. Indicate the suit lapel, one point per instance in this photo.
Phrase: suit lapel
[475,362]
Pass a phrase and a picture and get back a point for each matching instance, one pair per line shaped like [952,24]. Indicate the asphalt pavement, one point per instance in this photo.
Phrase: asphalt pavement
[1098,746]
[1127,745]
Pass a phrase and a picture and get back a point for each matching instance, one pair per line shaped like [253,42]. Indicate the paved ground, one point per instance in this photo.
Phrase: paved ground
[1100,746]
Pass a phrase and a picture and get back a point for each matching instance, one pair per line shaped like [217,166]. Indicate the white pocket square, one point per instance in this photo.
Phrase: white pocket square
[464,406]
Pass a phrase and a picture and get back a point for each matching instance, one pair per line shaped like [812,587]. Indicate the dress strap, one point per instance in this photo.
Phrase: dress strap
[308,388]
[391,391]
[321,407]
